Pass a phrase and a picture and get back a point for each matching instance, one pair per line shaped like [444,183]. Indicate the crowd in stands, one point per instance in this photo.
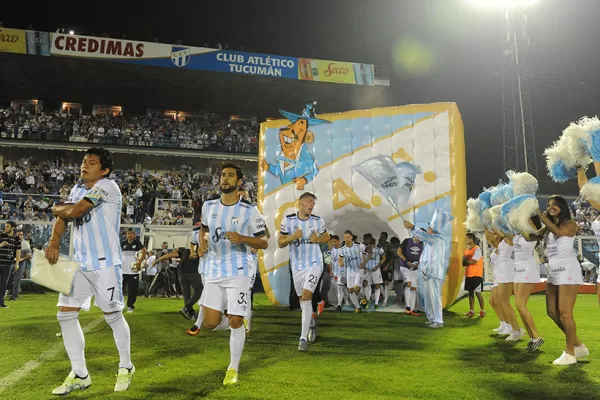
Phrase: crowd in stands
[584,214]
[206,132]
[28,191]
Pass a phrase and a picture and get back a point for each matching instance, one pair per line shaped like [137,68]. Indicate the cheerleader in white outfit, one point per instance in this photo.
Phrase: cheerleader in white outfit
[527,274]
[582,180]
[564,276]
[494,239]
[506,279]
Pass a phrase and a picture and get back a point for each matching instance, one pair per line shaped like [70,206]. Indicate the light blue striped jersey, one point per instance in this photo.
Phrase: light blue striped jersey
[96,235]
[352,256]
[335,266]
[375,258]
[303,253]
[224,258]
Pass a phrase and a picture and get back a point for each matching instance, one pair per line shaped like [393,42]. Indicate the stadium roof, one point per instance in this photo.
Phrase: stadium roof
[137,88]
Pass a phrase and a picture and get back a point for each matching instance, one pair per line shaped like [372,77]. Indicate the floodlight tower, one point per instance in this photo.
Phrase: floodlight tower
[517,128]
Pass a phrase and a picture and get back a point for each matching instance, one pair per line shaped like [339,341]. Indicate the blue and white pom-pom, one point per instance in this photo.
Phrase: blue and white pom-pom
[498,222]
[474,222]
[501,193]
[516,213]
[560,166]
[592,142]
[522,183]
[591,190]
[483,206]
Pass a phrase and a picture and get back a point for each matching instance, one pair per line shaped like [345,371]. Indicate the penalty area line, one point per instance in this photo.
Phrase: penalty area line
[31,365]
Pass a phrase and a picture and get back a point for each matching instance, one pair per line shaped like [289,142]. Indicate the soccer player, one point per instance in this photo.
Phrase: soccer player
[373,258]
[337,270]
[304,232]
[94,206]
[233,226]
[409,253]
[194,249]
[350,257]
[132,266]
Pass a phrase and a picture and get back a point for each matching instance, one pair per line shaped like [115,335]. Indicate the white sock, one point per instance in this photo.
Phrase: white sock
[413,299]
[345,291]
[200,319]
[386,294]
[368,292]
[224,325]
[354,299]
[74,341]
[377,294]
[306,317]
[408,297]
[120,329]
[340,294]
[236,346]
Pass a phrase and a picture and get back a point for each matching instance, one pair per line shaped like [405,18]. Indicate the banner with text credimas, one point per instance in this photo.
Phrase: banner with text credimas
[197,58]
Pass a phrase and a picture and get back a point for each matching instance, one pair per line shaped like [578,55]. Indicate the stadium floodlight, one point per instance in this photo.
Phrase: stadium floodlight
[71,32]
[502,4]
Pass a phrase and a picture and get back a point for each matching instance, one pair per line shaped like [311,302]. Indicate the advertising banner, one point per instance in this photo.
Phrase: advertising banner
[197,58]
[12,41]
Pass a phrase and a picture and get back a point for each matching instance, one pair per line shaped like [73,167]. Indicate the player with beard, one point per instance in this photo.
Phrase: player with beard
[234,226]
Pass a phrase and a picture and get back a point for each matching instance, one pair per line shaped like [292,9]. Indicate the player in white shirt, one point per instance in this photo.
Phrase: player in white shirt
[94,206]
[339,275]
[233,226]
[303,232]
[373,257]
[350,257]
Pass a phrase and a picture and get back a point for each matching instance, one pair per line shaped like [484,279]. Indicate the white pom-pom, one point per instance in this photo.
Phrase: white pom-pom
[523,183]
[591,190]
[496,217]
[589,124]
[519,217]
[578,140]
[473,222]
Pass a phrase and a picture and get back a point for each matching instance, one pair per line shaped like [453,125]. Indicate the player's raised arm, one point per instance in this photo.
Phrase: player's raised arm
[258,238]
[284,235]
[53,249]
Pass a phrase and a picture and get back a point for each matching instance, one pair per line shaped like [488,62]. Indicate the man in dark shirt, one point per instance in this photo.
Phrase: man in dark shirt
[132,267]
[410,254]
[189,278]
[10,254]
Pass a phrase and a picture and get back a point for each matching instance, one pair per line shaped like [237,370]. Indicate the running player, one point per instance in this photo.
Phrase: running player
[350,257]
[304,232]
[372,260]
[95,208]
[233,225]
[194,248]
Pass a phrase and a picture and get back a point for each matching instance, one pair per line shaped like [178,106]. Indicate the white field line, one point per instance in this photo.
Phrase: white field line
[30,365]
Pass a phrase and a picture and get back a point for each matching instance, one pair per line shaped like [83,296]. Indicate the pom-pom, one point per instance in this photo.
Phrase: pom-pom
[485,199]
[501,194]
[517,212]
[473,222]
[579,142]
[497,222]
[592,127]
[522,183]
[561,165]
[591,190]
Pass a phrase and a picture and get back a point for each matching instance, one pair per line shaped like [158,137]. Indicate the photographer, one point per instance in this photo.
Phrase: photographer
[10,254]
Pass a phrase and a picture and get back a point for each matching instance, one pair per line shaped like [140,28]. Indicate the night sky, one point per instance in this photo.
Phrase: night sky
[457,51]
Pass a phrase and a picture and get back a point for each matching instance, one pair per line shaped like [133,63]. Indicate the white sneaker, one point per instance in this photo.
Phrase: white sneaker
[565,359]
[581,351]
[129,310]
[500,328]
[124,378]
[73,382]
[516,335]
[506,332]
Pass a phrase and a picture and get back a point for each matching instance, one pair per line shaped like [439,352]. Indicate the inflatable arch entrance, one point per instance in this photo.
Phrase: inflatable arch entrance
[306,152]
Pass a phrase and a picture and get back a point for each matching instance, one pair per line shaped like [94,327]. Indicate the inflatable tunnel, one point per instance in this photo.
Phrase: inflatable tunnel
[315,153]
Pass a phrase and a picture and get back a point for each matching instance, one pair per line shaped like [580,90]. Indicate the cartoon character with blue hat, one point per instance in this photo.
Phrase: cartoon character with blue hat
[296,164]
[432,265]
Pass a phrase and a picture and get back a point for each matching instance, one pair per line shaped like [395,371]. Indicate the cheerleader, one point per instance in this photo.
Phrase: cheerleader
[527,274]
[506,278]
[564,276]
[494,239]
